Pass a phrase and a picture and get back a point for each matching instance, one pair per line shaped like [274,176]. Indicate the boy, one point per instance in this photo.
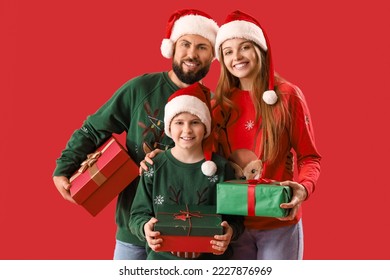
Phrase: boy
[185,174]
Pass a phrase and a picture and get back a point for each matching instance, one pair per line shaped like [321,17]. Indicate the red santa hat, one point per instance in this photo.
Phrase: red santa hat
[241,25]
[188,21]
[194,99]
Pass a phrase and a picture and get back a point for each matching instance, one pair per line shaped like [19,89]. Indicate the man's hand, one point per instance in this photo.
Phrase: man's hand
[62,184]
[148,158]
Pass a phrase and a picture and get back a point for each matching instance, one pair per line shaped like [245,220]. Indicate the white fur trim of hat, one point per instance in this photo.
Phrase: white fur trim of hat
[188,24]
[241,25]
[240,29]
[190,104]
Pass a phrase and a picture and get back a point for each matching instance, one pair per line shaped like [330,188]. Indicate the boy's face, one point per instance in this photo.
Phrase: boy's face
[192,58]
[187,131]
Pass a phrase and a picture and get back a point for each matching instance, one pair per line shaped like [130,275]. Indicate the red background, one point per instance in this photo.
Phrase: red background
[61,60]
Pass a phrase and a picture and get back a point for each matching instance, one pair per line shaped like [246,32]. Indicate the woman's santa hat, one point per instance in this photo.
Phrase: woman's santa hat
[194,99]
[188,21]
[241,25]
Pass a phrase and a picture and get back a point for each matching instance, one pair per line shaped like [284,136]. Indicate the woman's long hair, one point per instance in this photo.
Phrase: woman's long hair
[275,118]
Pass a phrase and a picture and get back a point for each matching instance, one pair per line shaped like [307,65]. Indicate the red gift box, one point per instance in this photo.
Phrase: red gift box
[102,176]
[196,244]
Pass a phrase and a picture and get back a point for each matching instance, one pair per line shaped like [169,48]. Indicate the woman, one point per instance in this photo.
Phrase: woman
[258,111]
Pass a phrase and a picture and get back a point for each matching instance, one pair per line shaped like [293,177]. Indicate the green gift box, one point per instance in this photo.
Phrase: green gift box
[190,220]
[252,198]
[188,228]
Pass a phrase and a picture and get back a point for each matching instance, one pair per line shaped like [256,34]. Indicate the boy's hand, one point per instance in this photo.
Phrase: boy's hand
[152,237]
[221,242]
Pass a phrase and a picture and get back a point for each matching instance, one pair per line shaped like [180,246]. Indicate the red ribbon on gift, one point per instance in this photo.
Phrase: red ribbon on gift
[251,193]
[184,215]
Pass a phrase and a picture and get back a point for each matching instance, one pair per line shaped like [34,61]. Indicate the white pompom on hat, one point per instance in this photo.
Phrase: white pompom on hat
[194,99]
[209,168]
[188,21]
[241,25]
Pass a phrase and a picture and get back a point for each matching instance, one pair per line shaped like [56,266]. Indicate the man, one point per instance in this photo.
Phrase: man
[138,109]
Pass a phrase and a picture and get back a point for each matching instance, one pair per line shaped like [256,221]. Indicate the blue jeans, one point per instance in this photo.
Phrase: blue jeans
[285,243]
[127,251]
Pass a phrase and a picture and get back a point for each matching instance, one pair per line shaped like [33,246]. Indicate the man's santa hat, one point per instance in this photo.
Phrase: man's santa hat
[194,99]
[188,21]
[241,25]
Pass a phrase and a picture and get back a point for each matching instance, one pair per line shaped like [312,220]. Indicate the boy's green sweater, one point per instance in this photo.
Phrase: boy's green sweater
[137,108]
[170,182]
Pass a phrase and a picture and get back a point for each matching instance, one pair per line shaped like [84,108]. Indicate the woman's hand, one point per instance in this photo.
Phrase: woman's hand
[152,237]
[148,158]
[299,195]
[221,242]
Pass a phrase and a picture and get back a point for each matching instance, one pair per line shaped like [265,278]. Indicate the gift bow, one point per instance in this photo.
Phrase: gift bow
[184,215]
[89,164]
[91,160]
[260,181]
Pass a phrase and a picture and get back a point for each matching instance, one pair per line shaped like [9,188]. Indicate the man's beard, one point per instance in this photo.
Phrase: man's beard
[190,77]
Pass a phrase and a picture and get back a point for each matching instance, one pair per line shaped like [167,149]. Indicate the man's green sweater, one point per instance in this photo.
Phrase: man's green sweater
[137,108]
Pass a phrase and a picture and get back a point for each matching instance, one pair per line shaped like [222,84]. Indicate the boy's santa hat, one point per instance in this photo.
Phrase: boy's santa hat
[188,21]
[241,25]
[194,99]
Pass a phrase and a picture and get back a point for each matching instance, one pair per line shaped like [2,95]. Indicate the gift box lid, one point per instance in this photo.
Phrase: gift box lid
[262,183]
[188,220]
[97,168]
